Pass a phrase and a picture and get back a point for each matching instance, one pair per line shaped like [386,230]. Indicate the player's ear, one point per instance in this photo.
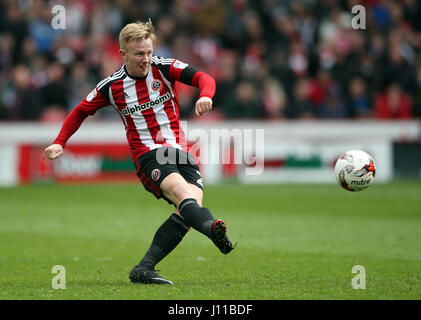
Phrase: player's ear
[122,53]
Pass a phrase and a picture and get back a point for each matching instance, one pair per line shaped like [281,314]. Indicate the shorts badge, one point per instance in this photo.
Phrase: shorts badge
[156,173]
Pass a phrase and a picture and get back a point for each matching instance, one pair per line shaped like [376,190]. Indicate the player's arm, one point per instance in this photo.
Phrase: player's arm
[73,121]
[186,74]
[206,84]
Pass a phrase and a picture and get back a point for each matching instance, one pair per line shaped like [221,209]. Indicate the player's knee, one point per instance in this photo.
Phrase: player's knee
[178,192]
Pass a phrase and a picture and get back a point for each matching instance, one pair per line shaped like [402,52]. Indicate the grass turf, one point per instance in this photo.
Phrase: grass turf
[295,242]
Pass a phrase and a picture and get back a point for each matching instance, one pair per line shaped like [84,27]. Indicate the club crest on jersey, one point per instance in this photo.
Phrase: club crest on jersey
[134,108]
[156,173]
[156,85]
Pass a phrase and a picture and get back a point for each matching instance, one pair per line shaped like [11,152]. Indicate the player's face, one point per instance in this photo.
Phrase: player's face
[138,57]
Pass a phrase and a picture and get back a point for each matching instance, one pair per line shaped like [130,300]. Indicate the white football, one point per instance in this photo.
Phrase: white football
[355,170]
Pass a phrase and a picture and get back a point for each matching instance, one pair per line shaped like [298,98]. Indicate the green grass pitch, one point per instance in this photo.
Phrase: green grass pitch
[295,242]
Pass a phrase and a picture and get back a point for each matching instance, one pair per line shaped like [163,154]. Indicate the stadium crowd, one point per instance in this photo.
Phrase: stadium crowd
[272,59]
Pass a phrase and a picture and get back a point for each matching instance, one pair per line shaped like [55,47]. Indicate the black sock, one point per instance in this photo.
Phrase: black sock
[194,215]
[166,238]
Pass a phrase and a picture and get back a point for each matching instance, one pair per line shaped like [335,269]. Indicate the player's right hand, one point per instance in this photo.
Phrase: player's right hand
[54,151]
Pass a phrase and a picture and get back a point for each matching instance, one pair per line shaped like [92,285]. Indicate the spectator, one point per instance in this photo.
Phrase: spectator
[393,104]
[80,85]
[243,102]
[211,18]
[14,23]
[41,32]
[300,106]
[333,108]
[416,110]
[273,99]
[398,69]
[226,79]
[54,93]
[320,87]
[359,102]
[7,44]
[20,100]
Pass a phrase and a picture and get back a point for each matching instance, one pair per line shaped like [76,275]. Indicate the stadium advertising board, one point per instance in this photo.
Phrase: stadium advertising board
[314,163]
[80,163]
[293,151]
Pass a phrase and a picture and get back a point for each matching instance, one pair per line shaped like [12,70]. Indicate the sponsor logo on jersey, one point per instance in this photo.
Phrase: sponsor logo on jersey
[180,65]
[91,95]
[156,85]
[132,109]
[156,173]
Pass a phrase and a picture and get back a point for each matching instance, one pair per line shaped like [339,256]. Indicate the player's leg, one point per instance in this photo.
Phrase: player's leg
[218,232]
[168,235]
[172,231]
[197,194]
[166,238]
[188,199]
[182,194]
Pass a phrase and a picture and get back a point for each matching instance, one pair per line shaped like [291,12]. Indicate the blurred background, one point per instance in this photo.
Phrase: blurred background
[289,64]
[271,58]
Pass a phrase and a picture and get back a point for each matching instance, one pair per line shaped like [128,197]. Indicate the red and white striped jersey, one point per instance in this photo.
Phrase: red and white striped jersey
[147,106]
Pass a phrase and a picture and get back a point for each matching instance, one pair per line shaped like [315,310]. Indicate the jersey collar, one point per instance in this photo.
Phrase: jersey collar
[133,77]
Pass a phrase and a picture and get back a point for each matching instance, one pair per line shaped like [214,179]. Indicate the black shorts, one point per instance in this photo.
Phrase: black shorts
[153,166]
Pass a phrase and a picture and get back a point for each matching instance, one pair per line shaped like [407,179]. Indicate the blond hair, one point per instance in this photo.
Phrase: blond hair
[137,31]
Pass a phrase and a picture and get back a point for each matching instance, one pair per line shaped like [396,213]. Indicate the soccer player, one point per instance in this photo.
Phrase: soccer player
[142,91]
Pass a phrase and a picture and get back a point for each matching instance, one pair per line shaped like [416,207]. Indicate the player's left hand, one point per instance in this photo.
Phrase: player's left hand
[204,104]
